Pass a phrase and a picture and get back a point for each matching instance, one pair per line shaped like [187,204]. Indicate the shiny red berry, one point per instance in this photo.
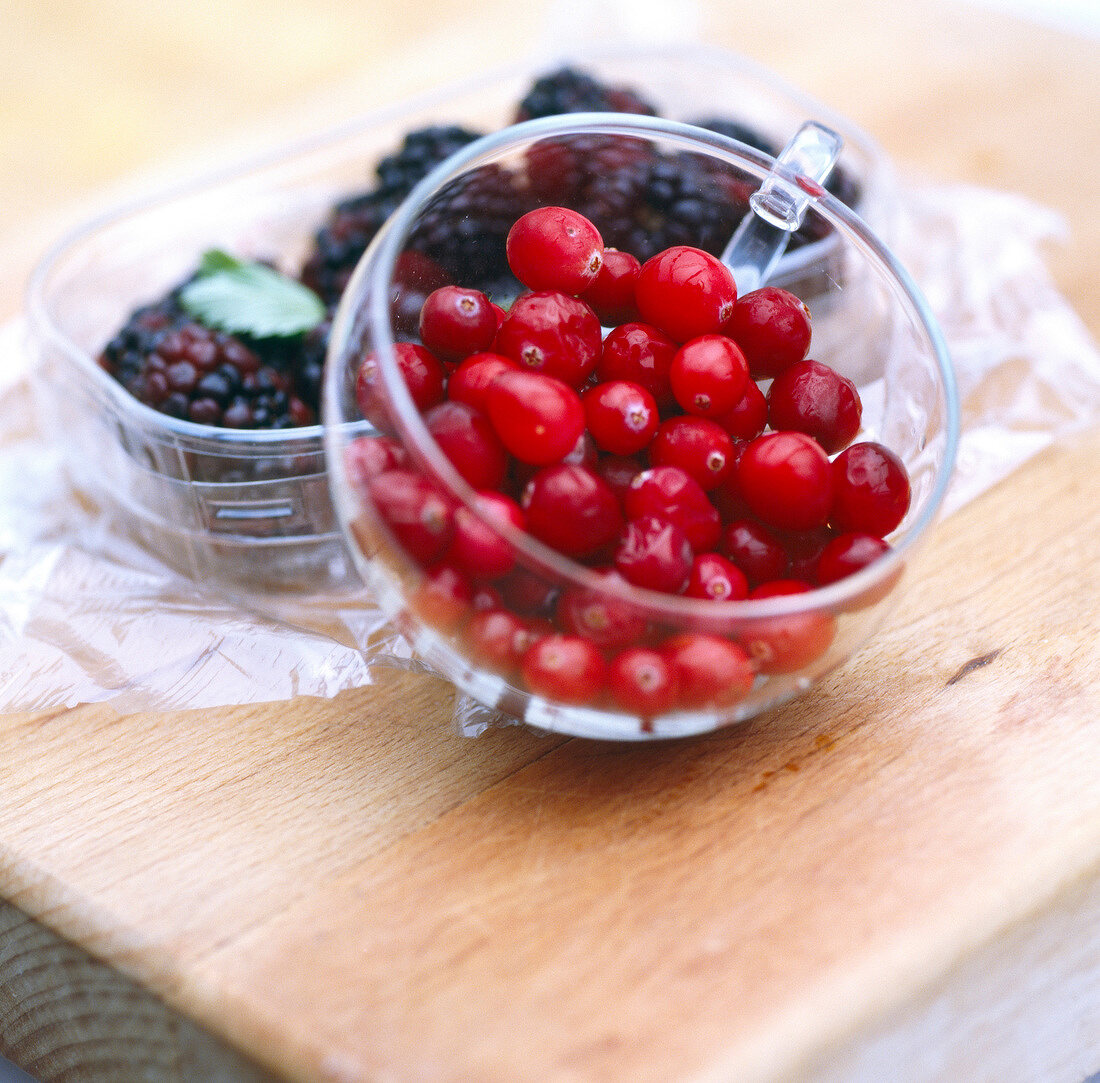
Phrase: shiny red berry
[443,598]
[643,681]
[642,354]
[655,554]
[815,399]
[786,480]
[420,516]
[470,382]
[747,419]
[772,327]
[847,554]
[456,322]
[368,456]
[554,248]
[565,668]
[598,616]
[709,375]
[551,333]
[697,446]
[788,642]
[478,546]
[685,292]
[611,295]
[755,549]
[424,374]
[470,442]
[717,579]
[672,494]
[499,639]
[710,671]
[871,490]
[571,509]
[621,416]
[538,418]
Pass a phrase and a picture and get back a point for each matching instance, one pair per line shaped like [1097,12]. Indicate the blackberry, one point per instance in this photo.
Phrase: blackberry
[170,362]
[569,90]
[354,221]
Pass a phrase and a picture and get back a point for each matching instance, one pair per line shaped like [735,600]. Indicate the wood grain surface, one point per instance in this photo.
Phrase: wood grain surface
[896,873]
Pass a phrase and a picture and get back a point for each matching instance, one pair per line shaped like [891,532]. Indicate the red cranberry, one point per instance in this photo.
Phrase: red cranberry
[598,616]
[871,490]
[709,376]
[786,480]
[498,639]
[622,416]
[470,442]
[772,327]
[565,668]
[804,549]
[755,550]
[812,398]
[670,493]
[643,682]
[655,554]
[470,382]
[611,295]
[685,292]
[443,598]
[527,592]
[553,334]
[847,554]
[642,354]
[787,643]
[456,322]
[618,471]
[424,376]
[478,547]
[554,248]
[419,515]
[697,446]
[710,671]
[747,419]
[571,509]
[715,578]
[538,418]
[368,456]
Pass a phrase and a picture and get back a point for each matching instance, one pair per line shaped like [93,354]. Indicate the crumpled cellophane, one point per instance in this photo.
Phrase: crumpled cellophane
[87,616]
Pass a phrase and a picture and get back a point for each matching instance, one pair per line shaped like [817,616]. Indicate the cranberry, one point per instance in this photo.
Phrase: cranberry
[804,549]
[709,375]
[655,554]
[526,592]
[812,398]
[747,419]
[847,554]
[470,382]
[619,471]
[699,447]
[786,480]
[710,671]
[456,322]
[470,442]
[686,292]
[498,638]
[554,248]
[642,354]
[714,577]
[553,334]
[443,598]
[565,668]
[368,456]
[571,509]
[755,550]
[598,616]
[420,517]
[670,493]
[486,596]
[538,418]
[611,295]
[643,682]
[871,490]
[424,376]
[622,416]
[786,643]
[772,327]
[478,547]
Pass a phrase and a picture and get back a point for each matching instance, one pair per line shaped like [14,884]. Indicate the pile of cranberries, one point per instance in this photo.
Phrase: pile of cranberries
[616,414]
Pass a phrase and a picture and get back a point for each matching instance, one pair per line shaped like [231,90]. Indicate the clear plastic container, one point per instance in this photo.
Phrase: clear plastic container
[252,509]
[869,322]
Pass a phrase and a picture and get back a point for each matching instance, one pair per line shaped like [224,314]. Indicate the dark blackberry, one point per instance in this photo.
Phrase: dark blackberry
[170,362]
[339,244]
[569,90]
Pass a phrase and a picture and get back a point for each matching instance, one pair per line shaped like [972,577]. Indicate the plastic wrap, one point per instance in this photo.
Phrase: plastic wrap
[88,616]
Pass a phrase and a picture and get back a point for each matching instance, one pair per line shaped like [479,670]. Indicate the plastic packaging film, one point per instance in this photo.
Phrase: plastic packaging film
[87,615]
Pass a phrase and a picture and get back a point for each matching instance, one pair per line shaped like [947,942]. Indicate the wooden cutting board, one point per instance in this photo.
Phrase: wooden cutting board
[896,877]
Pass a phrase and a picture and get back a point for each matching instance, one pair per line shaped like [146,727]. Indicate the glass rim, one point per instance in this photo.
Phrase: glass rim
[373,275]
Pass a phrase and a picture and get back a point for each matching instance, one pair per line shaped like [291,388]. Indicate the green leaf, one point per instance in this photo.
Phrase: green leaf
[241,297]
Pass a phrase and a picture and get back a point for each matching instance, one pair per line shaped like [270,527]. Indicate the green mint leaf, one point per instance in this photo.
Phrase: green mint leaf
[240,297]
